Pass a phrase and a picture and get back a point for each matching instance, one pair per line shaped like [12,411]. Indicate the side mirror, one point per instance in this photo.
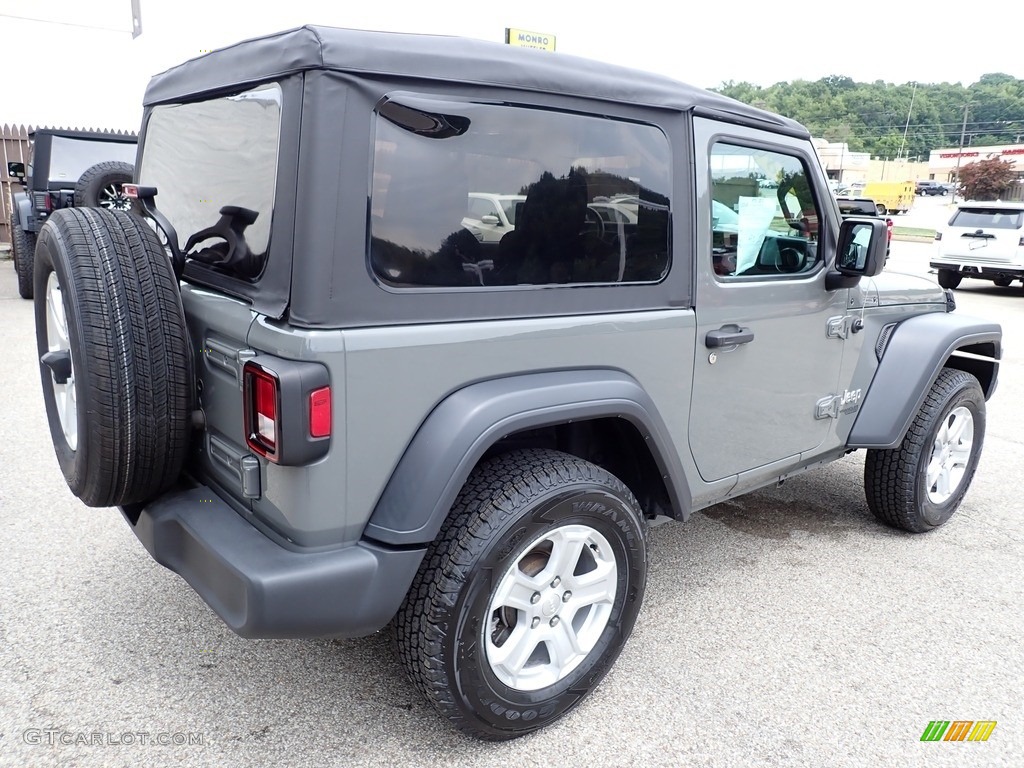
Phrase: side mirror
[16,170]
[861,252]
[490,218]
[862,245]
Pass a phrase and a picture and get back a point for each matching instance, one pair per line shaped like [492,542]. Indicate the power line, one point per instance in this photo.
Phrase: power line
[64,23]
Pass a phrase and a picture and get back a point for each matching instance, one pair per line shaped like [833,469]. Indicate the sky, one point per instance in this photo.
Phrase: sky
[74,63]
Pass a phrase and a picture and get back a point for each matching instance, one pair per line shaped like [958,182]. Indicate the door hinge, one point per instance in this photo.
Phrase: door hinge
[838,327]
[827,408]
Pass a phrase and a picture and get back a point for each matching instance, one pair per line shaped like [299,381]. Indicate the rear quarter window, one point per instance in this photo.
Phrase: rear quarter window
[587,197]
[214,157]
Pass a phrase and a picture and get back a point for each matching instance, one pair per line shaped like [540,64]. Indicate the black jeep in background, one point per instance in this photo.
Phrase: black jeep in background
[67,168]
[931,187]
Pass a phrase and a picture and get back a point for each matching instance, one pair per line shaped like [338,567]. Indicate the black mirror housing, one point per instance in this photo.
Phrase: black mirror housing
[862,247]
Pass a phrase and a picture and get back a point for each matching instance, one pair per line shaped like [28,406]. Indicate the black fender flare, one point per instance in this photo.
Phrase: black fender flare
[917,351]
[460,429]
[21,208]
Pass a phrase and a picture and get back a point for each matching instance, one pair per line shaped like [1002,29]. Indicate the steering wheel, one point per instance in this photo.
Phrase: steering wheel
[790,260]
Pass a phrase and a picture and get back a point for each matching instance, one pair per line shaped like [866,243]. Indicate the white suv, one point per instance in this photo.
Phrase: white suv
[984,241]
[491,216]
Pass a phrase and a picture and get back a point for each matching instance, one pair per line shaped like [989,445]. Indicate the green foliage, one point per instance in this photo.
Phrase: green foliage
[986,179]
[871,117]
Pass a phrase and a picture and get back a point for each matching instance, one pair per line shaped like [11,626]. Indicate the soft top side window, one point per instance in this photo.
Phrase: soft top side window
[215,165]
[764,218]
[469,195]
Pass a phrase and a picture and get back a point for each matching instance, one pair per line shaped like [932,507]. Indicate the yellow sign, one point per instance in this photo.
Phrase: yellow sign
[525,39]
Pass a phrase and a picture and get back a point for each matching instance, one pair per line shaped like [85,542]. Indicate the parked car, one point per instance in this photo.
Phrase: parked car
[982,241]
[491,216]
[865,207]
[329,410]
[67,168]
[932,188]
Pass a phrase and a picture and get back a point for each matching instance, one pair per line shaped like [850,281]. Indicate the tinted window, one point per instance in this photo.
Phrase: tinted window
[214,164]
[764,219]
[70,158]
[555,176]
[987,218]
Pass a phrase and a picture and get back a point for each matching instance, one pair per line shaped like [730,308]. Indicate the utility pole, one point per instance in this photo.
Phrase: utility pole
[956,174]
[906,128]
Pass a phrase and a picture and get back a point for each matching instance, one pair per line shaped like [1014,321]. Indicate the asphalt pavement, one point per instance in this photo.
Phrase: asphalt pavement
[783,628]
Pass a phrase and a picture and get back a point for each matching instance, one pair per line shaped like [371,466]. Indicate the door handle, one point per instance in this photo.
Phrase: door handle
[728,336]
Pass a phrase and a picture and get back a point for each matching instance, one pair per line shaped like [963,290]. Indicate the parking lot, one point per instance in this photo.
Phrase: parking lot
[786,627]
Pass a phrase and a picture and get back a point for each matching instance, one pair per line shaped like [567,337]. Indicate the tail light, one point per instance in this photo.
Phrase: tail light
[287,410]
[888,230]
[262,393]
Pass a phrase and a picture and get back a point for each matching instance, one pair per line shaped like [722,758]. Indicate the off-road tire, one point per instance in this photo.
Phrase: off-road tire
[23,247]
[949,279]
[101,187]
[128,401]
[896,481]
[440,630]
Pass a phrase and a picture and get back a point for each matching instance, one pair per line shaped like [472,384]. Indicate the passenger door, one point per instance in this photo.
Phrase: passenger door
[770,336]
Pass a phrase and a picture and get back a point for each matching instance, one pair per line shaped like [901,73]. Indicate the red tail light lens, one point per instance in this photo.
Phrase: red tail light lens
[320,412]
[262,409]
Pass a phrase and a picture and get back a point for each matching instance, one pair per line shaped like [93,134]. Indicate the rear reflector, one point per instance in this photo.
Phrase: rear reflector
[130,190]
[320,412]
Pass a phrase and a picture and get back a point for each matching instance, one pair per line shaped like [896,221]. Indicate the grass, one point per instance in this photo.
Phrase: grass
[913,232]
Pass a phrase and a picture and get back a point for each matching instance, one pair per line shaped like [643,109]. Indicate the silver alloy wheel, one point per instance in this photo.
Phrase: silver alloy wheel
[951,453]
[550,607]
[58,340]
[113,198]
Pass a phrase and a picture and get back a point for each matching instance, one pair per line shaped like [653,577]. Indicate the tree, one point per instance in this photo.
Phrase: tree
[986,179]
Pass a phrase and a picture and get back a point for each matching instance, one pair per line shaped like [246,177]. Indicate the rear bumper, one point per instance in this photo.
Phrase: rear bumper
[982,271]
[261,589]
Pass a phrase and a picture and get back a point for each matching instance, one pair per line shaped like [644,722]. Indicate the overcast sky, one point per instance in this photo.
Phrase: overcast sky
[66,74]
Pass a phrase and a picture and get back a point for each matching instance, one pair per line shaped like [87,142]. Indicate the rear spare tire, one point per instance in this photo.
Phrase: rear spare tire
[115,360]
[102,186]
[23,246]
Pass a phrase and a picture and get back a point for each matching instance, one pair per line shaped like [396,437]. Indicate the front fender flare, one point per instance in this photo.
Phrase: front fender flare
[460,429]
[916,353]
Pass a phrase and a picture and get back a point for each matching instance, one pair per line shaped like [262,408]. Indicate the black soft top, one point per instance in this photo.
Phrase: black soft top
[74,133]
[441,58]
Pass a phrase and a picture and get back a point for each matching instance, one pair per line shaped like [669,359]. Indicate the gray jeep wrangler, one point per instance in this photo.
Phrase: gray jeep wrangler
[331,406]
